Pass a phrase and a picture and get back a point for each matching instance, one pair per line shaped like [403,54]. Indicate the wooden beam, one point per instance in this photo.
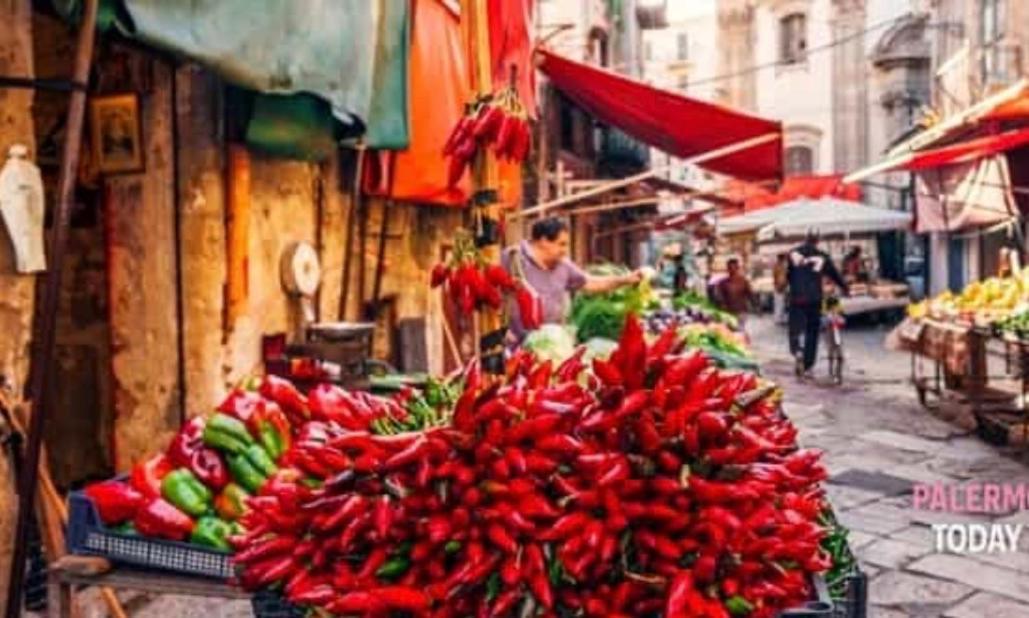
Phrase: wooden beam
[717,153]
[43,352]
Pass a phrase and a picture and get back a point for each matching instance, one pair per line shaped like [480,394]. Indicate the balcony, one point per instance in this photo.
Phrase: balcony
[621,154]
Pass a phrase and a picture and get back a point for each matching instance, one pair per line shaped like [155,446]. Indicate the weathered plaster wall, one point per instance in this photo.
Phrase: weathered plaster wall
[16,291]
[202,228]
[141,267]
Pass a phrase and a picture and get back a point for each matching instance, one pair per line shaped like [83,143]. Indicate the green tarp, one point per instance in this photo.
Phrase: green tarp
[351,53]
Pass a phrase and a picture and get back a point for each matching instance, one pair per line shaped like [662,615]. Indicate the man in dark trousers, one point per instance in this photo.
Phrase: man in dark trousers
[807,266]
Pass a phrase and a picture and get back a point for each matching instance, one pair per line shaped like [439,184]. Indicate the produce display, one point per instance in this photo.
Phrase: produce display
[715,338]
[988,301]
[200,487]
[603,315]
[650,484]
[1016,323]
[698,308]
[499,122]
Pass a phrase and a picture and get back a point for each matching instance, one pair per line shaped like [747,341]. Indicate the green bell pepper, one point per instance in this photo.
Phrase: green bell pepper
[259,458]
[231,502]
[184,490]
[245,473]
[227,434]
[211,532]
[126,528]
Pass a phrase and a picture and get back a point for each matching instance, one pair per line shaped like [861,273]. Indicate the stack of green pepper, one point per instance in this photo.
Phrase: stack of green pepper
[843,561]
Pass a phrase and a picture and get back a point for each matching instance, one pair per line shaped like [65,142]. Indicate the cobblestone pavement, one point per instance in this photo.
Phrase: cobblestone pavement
[872,426]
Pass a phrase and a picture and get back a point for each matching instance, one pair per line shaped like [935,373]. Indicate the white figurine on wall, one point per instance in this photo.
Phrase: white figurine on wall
[21,205]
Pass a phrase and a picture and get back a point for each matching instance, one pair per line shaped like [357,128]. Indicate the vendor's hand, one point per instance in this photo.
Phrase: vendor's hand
[633,278]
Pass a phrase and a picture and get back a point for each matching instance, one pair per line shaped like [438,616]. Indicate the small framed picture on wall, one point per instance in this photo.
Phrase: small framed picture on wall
[116,133]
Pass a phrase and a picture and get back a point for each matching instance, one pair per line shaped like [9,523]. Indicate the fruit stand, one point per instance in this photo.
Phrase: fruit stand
[970,348]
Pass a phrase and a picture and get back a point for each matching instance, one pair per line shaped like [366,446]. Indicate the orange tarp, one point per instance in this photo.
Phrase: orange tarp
[438,89]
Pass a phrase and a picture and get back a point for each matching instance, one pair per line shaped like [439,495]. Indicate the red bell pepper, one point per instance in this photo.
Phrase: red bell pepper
[147,475]
[160,519]
[115,501]
[186,442]
[207,465]
[241,404]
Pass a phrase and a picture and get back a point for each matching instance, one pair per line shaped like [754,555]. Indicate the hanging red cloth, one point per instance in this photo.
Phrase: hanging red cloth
[511,43]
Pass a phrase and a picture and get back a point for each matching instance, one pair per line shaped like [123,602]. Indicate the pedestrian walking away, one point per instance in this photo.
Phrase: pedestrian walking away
[808,265]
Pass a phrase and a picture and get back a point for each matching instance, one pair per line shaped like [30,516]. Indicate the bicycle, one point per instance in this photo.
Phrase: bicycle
[832,323]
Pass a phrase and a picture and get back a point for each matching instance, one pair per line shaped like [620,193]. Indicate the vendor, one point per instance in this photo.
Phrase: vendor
[854,266]
[544,261]
[672,269]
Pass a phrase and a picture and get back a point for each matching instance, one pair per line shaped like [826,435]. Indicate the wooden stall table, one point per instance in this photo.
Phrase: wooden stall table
[70,573]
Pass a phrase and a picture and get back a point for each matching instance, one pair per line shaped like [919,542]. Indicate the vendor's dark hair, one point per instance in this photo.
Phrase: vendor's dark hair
[549,228]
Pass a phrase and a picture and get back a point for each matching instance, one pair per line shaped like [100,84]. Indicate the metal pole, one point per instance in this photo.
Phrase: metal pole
[43,351]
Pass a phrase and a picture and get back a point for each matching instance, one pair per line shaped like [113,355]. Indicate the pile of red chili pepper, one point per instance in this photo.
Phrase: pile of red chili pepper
[498,121]
[651,484]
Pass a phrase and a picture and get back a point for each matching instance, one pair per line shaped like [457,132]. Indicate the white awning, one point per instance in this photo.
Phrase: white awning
[828,215]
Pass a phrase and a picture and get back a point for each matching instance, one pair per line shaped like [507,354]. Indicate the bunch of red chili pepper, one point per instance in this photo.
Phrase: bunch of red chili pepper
[470,280]
[649,484]
[499,121]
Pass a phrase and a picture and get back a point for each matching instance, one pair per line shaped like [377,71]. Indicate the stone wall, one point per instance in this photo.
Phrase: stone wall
[16,291]
[142,284]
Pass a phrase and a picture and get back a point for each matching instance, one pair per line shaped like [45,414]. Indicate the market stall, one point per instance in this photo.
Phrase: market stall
[971,348]
[841,223]
[464,496]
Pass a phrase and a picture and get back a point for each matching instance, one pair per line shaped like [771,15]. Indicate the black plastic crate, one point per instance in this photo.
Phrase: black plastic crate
[86,534]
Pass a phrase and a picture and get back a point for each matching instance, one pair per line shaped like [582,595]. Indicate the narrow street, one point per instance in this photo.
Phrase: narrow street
[878,440]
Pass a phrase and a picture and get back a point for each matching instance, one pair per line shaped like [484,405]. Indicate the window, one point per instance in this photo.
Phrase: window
[683,44]
[799,160]
[793,38]
[991,25]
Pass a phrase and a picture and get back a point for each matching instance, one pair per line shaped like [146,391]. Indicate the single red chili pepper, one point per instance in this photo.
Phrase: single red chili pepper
[501,539]
[408,455]
[566,526]
[608,373]
[505,603]
[677,601]
[537,506]
[383,517]
[283,392]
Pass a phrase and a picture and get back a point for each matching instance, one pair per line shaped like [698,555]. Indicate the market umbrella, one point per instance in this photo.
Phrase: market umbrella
[830,216]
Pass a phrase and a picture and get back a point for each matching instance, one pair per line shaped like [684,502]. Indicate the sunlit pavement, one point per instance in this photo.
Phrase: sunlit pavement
[878,440]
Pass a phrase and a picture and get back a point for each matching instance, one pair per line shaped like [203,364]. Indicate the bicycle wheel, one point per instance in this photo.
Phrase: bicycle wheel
[835,357]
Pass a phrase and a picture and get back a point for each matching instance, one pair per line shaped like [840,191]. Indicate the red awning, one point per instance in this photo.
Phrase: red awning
[678,125]
[967,151]
[752,196]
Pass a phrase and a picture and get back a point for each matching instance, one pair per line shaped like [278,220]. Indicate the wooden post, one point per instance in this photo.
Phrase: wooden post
[486,207]
[43,351]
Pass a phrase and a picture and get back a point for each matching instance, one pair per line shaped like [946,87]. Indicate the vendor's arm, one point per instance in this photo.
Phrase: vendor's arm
[597,285]
[581,281]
